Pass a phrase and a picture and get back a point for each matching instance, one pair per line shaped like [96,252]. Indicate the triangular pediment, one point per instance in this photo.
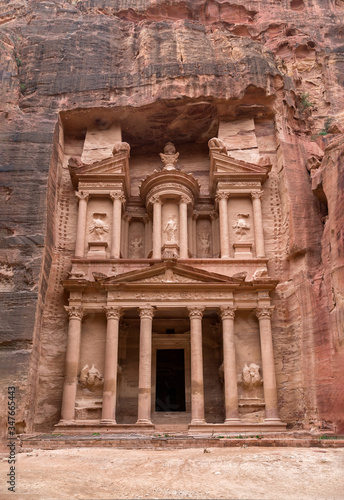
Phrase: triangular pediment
[226,168]
[170,273]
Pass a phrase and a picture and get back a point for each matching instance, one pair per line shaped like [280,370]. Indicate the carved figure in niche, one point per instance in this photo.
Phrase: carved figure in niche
[90,378]
[171,229]
[251,378]
[98,226]
[241,226]
[169,157]
[136,247]
[204,244]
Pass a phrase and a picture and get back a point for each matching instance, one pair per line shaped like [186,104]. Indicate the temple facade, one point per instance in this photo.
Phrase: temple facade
[170,315]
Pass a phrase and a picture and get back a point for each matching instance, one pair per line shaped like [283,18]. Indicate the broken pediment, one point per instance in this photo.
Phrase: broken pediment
[224,167]
[115,168]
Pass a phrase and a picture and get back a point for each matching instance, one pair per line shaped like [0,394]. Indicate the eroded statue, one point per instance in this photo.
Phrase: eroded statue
[169,157]
[98,227]
[90,378]
[251,377]
[241,226]
[136,247]
[204,244]
[171,229]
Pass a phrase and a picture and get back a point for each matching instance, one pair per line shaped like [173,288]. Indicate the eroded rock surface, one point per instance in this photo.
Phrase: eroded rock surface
[279,64]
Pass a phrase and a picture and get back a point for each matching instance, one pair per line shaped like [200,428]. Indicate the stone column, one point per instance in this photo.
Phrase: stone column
[194,232]
[229,365]
[213,217]
[190,240]
[269,375]
[147,235]
[258,223]
[197,391]
[81,224]
[145,365]
[126,219]
[183,228]
[156,228]
[113,315]
[75,314]
[224,233]
[117,198]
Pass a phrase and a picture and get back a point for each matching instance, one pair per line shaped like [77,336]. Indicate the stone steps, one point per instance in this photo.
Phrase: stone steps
[132,441]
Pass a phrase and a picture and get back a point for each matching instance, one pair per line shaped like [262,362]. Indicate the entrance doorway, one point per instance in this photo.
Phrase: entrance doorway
[170,380]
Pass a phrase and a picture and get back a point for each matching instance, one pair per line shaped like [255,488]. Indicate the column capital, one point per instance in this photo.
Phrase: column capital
[145,219]
[257,195]
[113,312]
[185,199]
[227,312]
[155,199]
[82,195]
[213,216]
[127,217]
[196,312]
[264,312]
[221,195]
[146,312]
[117,195]
[75,312]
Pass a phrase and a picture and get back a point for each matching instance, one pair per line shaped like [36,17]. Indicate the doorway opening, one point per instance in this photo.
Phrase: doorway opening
[170,380]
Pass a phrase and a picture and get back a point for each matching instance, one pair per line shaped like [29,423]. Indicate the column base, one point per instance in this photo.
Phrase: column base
[232,421]
[198,421]
[107,421]
[145,421]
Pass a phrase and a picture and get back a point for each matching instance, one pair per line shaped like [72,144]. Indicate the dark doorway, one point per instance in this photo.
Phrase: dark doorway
[170,380]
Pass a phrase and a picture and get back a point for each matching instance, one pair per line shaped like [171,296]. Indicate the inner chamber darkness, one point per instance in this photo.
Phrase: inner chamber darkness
[170,380]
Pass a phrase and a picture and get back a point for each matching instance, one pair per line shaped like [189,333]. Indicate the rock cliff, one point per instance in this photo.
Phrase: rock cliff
[278,62]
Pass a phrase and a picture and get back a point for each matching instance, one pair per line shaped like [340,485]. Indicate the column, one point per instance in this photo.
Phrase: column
[126,219]
[229,364]
[183,228]
[117,198]
[269,376]
[156,228]
[197,391]
[190,239]
[113,315]
[224,233]
[194,232]
[213,217]
[145,365]
[147,236]
[75,314]
[258,223]
[81,224]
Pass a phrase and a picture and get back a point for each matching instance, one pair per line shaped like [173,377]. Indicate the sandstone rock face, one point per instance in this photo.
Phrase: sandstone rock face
[271,71]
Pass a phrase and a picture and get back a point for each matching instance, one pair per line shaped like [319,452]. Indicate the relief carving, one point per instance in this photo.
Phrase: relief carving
[120,146]
[251,378]
[171,229]
[169,157]
[218,145]
[204,244]
[98,227]
[136,248]
[241,226]
[90,378]
[260,273]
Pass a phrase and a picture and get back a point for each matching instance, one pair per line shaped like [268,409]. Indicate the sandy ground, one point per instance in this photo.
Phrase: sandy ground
[234,473]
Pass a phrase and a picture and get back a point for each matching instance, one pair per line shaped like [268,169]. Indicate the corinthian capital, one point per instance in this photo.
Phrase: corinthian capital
[264,312]
[117,195]
[82,195]
[146,312]
[256,195]
[196,312]
[75,312]
[227,312]
[113,312]
[221,195]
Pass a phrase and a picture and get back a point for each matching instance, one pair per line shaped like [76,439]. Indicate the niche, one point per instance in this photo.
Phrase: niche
[204,239]
[136,240]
